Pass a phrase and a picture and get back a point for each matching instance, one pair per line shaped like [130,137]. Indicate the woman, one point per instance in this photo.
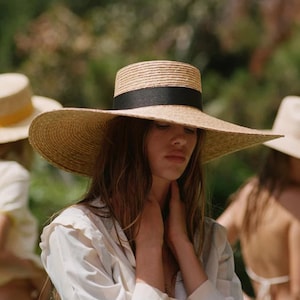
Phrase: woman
[22,275]
[140,232]
[265,213]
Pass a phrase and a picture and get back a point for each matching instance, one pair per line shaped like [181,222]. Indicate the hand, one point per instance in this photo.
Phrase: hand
[176,222]
[151,229]
[183,249]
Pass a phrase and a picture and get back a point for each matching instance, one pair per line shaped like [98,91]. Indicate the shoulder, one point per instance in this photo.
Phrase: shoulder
[76,227]
[215,232]
[76,218]
[242,194]
[238,204]
[211,224]
[215,243]
[289,199]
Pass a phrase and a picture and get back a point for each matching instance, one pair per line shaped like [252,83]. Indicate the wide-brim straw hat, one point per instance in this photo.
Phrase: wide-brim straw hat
[18,107]
[161,90]
[287,121]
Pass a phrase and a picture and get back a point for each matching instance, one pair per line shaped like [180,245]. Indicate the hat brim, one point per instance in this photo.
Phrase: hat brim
[70,138]
[19,131]
[285,144]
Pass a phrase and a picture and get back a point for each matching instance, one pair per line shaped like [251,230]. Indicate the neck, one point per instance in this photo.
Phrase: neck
[159,191]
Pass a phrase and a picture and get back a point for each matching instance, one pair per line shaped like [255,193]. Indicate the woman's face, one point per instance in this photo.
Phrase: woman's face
[169,148]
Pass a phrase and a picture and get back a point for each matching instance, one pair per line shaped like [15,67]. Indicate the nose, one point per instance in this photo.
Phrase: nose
[179,137]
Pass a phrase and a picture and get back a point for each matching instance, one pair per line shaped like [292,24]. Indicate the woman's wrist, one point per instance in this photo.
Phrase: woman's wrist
[190,265]
[180,246]
[149,266]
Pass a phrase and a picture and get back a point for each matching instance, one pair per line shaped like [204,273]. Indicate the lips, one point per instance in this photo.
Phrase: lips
[176,157]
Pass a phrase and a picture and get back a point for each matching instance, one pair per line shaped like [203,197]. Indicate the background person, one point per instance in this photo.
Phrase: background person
[141,231]
[264,213]
[22,275]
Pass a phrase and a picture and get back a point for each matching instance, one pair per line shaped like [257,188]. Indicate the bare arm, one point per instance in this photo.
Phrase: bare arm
[149,241]
[230,219]
[183,249]
[192,270]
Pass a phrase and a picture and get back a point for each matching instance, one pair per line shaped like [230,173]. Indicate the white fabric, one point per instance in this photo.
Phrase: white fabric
[84,260]
[265,284]
[22,237]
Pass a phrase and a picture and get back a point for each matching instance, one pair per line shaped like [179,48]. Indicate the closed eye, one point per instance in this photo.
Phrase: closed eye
[161,125]
[190,130]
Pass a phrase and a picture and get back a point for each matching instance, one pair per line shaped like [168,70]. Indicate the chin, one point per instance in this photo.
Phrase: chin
[172,177]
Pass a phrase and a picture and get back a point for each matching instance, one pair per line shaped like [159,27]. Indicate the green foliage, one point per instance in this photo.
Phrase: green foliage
[52,190]
[14,16]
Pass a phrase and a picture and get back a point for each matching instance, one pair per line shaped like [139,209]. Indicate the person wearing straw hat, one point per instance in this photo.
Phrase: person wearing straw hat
[22,275]
[265,212]
[140,232]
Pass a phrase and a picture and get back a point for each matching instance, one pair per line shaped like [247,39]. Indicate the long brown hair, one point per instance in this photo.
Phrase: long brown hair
[270,181]
[122,178]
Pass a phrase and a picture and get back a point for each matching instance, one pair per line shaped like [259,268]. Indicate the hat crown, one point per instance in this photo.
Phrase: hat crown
[15,98]
[287,120]
[157,73]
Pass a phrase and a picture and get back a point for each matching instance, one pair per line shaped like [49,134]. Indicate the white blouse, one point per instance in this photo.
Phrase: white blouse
[84,259]
[22,236]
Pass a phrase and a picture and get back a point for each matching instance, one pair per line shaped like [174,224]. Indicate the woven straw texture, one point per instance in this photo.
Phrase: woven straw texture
[70,138]
[18,107]
[155,74]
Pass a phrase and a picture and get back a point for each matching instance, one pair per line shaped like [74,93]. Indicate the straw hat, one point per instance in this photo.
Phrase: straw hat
[18,107]
[287,122]
[161,90]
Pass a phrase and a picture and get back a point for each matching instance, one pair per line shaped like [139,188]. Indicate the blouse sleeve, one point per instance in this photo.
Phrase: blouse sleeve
[79,270]
[222,283]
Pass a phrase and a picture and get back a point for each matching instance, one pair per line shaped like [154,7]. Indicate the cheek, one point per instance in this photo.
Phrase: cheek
[150,147]
[149,154]
[192,144]
[154,148]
